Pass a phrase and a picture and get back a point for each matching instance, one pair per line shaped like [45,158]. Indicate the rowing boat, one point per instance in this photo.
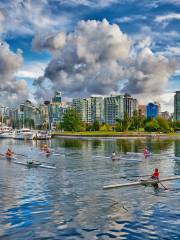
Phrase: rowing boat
[115,158]
[139,153]
[34,165]
[176,158]
[149,154]
[142,182]
[126,159]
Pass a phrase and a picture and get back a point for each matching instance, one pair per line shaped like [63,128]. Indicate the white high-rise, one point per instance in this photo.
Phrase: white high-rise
[113,108]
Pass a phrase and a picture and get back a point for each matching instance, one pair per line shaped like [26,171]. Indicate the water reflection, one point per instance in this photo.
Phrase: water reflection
[69,203]
[177,148]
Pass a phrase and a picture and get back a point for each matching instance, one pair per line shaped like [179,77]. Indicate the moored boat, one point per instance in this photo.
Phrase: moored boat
[6,132]
[24,134]
[42,135]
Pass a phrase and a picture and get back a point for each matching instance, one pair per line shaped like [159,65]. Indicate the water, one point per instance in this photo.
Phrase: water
[69,203]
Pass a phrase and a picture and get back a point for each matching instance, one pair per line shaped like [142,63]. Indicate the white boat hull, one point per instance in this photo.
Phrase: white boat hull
[24,136]
[34,166]
[42,136]
[6,135]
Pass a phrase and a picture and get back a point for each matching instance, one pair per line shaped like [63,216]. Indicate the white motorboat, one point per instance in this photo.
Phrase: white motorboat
[6,132]
[24,134]
[42,135]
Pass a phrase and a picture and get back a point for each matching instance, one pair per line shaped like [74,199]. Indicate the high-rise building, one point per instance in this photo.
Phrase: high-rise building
[57,97]
[44,114]
[165,115]
[81,106]
[113,108]
[177,106]
[130,105]
[97,109]
[28,115]
[54,111]
[159,107]
[152,110]
[88,110]
[142,110]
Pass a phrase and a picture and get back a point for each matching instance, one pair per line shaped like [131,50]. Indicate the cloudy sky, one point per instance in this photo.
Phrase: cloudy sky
[84,47]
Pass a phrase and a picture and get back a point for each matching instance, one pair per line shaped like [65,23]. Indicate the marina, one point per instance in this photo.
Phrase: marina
[24,134]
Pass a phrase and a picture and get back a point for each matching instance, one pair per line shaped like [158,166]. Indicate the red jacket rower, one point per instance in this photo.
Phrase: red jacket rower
[155,174]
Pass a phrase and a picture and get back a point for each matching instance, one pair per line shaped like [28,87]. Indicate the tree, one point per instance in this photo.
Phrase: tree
[58,126]
[96,125]
[105,127]
[119,125]
[152,126]
[163,125]
[176,125]
[126,122]
[88,126]
[72,120]
[135,121]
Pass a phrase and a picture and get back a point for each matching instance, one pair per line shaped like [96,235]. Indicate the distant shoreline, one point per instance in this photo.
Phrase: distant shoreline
[113,135]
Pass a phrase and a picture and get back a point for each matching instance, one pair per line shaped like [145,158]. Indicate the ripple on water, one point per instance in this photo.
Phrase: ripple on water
[69,203]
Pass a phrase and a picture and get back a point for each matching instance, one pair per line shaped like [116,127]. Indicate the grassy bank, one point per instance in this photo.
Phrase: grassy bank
[112,134]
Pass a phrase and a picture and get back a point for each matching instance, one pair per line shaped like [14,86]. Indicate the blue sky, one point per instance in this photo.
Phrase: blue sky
[154,23]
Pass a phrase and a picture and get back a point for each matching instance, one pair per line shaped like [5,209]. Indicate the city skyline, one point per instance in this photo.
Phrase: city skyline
[102,109]
[89,47]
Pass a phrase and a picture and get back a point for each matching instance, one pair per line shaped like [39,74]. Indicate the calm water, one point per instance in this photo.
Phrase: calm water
[69,203]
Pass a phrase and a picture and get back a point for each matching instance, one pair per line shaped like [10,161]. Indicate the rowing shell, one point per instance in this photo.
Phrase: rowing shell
[142,182]
[149,154]
[139,154]
[34,165]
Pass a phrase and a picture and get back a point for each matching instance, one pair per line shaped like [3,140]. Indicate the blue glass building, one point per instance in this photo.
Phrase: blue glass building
[152,110]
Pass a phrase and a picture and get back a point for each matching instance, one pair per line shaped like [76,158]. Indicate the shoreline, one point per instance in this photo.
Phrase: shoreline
[115,136]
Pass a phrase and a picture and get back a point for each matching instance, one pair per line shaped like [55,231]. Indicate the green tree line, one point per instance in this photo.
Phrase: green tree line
[72,122]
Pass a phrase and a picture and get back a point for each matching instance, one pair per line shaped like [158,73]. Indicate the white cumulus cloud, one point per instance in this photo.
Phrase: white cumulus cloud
[99,58]
[12,91]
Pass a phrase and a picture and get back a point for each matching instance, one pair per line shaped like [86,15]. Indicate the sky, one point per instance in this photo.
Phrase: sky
[87,47]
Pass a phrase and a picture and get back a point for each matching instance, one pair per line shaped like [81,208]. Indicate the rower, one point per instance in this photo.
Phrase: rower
[113,156]
[146,152]
[44,147]
[33,163]
[9,153]
[155,176]
[48,152]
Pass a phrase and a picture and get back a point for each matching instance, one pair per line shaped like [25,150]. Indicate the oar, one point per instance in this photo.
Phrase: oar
[19,154]
[141,176]
[165,188]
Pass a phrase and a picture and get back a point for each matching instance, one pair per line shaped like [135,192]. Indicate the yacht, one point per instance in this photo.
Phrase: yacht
[6,132]
[24,134]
